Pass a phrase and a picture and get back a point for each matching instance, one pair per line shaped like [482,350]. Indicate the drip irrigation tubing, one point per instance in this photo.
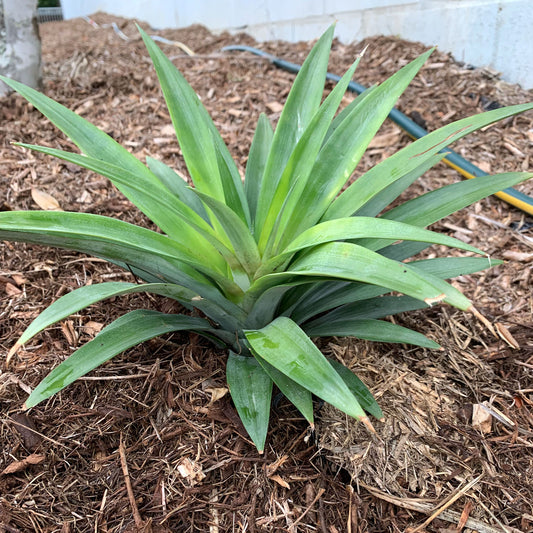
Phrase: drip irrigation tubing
[453,159]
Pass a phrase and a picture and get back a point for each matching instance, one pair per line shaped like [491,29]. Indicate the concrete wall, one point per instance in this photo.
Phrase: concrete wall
[495,33]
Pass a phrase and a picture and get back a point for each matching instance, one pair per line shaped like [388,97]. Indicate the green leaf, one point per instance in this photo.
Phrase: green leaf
[339,119]
[242,242]
[174,217]
[251,390]
[301,105]
[363,228]
[87,137]
[298,169]
[352,262]
[387,195]
[434,205]
[125,332]
[371,330]
[343,150]
[359,389]
[378,307]
[177,185]
[299,396]
[114,240]
[409,158]
[330,295]
[257,158]
[286,347]
[212,170]
[82,297]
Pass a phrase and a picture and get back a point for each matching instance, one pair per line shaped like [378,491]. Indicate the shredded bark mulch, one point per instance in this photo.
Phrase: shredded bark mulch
[150,441]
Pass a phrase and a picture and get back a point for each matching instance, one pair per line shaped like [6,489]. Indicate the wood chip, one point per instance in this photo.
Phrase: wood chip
[505,335]
[481,419]
[275,107]
[17,466]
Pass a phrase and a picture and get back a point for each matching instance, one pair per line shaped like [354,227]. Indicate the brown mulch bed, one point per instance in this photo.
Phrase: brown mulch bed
[150,442]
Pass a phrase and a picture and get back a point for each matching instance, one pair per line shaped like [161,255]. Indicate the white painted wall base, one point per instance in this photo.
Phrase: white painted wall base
[495,33]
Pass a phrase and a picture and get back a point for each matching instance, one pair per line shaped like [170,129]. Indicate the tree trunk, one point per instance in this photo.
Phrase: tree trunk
[20,45]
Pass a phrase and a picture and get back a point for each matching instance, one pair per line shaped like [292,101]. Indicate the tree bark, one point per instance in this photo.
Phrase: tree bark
[20,44]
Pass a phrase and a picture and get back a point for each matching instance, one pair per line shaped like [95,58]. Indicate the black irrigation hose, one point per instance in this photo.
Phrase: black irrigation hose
[453,159]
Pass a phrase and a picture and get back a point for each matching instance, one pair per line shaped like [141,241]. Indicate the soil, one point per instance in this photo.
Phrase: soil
[150,441]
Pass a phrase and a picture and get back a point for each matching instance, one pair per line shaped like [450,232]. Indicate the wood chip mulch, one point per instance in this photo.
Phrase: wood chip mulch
[151,441]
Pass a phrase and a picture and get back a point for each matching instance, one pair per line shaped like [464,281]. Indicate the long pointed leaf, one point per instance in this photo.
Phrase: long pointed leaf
[257,158]
[378,307]
[301,105]
[299,396]
[359,389]
[110,239]
[364,228]
[434,205]
[371,330]
[331,295]
[82,297]
[177,185]
[352,262]
[243,244]
[174,217]
[286,347]
[339,156]
[125,332]
[87,137]
[251,390]
[412,156]
[297,171]
[212,170]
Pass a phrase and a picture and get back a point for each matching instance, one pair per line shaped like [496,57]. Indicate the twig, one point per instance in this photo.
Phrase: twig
[316,498]
[447,504]
[427,508]
[136,516]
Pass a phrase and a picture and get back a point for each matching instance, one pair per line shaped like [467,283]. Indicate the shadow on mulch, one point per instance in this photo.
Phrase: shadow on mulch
[151,441]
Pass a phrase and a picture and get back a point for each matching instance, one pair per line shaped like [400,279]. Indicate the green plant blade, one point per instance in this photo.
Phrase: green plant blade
[242,242]
[297,171]
[111,239]
[301,105]
[212,170]
[387,195]
[264,309]
[125,332]
[345,147]
[359,389]
[378,307]
[331,295]
[177,185]
[358,228]
[87,137]
[174,217]
[370,330]
[338,120]
[286,347]
[251,390]
[82,297]
[347,261]
[409,158]
[434,205]
[257,158]
[299,396]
